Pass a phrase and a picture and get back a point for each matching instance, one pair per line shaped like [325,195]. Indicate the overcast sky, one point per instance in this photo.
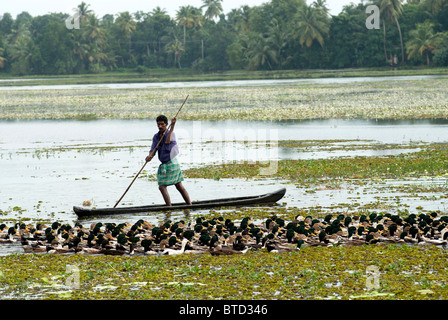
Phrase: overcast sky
[102,7]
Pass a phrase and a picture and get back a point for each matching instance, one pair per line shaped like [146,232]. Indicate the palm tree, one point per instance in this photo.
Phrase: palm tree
[277,37]
[188,17]
[176,48]
[423,41]
[21,54]
[312,25]
[239,19]
[127,25]
[260,52]
[2,58]
[434,6]
[389,12]
[84,11]
[95,46]
[158,10]
[213,8]
[245,17]
[79,51]
[94,32]
[322,5]
[21,48]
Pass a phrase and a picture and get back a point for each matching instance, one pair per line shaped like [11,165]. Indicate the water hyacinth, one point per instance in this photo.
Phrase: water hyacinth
[415,99]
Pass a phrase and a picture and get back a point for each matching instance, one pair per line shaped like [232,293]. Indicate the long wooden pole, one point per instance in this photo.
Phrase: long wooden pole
[152,154]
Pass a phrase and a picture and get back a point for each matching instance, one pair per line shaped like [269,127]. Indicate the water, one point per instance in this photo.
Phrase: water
[46,166]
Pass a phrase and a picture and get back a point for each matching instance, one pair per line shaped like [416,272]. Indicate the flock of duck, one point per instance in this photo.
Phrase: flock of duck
[218,236]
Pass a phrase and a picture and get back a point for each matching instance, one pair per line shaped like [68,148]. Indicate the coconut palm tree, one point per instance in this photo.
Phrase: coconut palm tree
[188,17]
[312,25]
[21,47]
[213,8]
[127,25]
[434,6]
[94,48]
[423,41]
[2,58]
[21,54]
[176,48]
[157,11]
[84,11]
[322,5]
[389,12]
[277,37]
[259,52]
[239,19]
[80,50]
[94,32]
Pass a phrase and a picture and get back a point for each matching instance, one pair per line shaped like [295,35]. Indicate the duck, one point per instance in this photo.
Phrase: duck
[436,242]
[12,231]
[59,250]
[169,251]
[238,244]
[226,250]
[146,244]
[223,237]
[122,240]
[34,247]
[87,250]
[133,244]
[274,247]
[323,237]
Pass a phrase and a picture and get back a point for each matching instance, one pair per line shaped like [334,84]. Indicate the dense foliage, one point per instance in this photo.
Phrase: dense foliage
[280,34]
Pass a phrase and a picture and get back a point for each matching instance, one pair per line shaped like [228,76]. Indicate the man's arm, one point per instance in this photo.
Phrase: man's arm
[168,137]
[152,152]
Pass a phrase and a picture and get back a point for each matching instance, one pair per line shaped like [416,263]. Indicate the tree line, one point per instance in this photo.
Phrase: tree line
[279,34]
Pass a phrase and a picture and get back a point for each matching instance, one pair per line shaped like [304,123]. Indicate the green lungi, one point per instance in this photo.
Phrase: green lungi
[169,173]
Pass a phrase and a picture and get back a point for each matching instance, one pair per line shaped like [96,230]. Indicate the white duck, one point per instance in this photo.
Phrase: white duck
[169,251]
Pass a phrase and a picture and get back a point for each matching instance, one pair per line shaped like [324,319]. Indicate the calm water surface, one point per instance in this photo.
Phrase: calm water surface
[46,167]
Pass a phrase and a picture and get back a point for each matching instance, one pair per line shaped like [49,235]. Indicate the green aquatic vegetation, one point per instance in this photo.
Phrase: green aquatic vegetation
[405,272]
[344,145]
[94,149]
[374,100]
[428,162]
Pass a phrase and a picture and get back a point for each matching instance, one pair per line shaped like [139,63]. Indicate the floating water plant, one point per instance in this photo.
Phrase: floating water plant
[368,100]
[430,161]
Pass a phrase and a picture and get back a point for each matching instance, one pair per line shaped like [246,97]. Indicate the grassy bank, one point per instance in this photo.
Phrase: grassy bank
[405,272]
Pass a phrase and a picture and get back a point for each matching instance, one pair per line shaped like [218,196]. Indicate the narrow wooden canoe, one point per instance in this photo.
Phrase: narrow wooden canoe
[268,198]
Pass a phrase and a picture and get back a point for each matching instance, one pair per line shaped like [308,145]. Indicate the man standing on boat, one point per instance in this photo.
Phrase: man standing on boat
[169,172]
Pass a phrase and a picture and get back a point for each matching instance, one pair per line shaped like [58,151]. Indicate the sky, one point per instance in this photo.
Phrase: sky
[102,7]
